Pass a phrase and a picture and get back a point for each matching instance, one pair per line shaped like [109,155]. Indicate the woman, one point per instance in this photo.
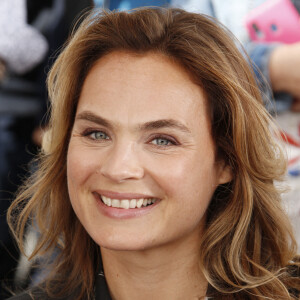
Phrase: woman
[156,177]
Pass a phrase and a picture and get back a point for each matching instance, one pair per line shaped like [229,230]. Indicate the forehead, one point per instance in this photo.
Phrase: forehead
[142,87]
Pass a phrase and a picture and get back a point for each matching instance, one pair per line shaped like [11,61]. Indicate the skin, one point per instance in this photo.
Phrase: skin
[284,71]
[177,165]
[2,69]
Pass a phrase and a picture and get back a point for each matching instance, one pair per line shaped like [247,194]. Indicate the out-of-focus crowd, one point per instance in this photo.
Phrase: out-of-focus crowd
[31,34]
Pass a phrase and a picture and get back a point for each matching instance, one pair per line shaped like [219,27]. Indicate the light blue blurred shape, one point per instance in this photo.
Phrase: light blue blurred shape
[99,3]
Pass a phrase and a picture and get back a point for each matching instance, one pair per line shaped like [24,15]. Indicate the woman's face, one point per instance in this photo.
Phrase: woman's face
[141,163]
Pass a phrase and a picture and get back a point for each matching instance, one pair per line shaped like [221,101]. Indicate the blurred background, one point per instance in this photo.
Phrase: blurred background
[32,32]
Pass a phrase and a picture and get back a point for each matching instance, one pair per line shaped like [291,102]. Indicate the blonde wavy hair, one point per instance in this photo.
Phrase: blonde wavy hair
[248,250]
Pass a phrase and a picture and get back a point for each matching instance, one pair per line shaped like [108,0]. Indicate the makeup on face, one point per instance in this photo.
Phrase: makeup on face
[141,163]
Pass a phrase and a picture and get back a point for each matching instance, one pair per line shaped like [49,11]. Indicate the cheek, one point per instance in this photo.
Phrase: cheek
[80,168]
[186,176]
[80,165]
[75,176]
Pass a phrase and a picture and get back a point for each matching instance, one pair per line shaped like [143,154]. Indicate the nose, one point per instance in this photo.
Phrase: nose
[122,163]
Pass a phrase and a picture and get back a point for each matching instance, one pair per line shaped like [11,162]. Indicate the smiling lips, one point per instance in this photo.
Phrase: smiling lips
[127,204]
[124,205]
[125,201]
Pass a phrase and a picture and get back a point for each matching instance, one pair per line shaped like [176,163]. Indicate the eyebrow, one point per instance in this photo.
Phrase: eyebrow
[151,125]
[91,117]
[164,123]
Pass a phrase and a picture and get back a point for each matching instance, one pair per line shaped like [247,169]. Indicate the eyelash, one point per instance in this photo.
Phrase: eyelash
[88,133]
[171,141]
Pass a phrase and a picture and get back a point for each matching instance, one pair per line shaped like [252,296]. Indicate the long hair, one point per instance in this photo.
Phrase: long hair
[248,248]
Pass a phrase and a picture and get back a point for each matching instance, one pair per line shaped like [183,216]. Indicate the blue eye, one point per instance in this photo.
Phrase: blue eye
[99,135]
[162,142]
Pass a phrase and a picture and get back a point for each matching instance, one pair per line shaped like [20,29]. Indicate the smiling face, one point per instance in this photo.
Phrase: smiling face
[141,163]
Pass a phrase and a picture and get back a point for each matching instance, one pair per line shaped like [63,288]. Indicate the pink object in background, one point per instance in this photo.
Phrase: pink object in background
[274,20]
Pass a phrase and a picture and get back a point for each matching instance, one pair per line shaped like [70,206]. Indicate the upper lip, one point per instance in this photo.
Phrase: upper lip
[123,196]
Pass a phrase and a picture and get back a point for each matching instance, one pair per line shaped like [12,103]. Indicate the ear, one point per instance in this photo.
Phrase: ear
[224,173]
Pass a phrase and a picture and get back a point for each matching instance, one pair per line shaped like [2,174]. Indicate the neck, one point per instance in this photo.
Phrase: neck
[165,273]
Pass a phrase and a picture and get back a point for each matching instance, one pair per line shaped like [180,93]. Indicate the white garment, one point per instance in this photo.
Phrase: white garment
[21,46]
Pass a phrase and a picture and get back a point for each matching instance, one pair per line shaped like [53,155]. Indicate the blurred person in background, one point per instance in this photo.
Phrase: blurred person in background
[279,63]
[31,32]
[22,47]
[129,4]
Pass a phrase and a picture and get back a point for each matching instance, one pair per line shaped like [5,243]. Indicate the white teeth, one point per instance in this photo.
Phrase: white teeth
[115,203]
[139,203]
[108,202]
[126,204]
[132,203]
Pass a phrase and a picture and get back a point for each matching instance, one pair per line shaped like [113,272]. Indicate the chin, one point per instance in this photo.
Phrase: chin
[124,242]
[125,246]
